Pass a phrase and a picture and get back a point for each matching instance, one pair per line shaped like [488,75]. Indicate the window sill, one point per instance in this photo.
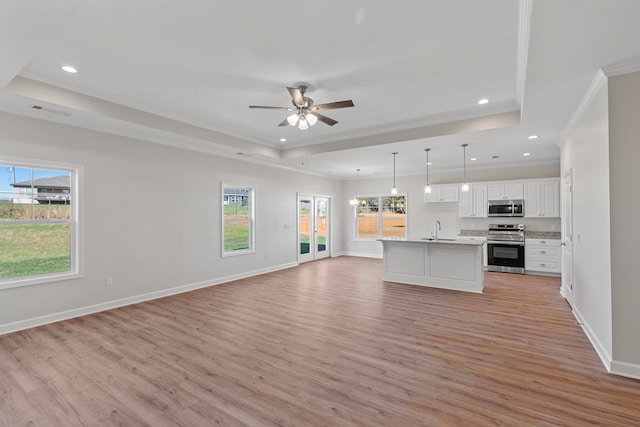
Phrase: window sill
[37,280]
[238,253]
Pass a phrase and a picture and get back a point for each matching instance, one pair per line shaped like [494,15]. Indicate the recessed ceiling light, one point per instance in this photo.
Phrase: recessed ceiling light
[69,69]
[526,154]
[483,101]
[283,139]
[533,136]
[429,163]
[473,159]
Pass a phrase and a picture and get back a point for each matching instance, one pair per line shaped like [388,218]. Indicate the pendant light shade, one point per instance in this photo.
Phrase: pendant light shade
[465,183]
[354,201]
[394,190]
[427,187]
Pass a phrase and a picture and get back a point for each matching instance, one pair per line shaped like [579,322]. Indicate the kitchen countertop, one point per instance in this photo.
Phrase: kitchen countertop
[438,241]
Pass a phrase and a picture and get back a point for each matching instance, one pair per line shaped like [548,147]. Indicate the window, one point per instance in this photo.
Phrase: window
[38,222]
[381,216]
[237,220]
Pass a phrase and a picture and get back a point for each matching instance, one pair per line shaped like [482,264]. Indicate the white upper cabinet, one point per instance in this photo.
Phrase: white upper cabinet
[505,191]
[442,193]
[473,203]
[542,198]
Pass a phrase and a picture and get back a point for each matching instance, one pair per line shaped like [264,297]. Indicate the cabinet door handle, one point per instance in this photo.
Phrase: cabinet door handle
[543,265]
[543,241]
[543,252]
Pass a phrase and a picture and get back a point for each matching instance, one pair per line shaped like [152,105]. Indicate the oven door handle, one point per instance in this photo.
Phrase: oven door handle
[494,242]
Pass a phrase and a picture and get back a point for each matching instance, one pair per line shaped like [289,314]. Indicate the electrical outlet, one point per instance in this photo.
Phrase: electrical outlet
[108,281]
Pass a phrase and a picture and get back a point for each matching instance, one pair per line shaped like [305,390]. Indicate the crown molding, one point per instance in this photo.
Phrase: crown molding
[524,32]
[622,68]
[597,82]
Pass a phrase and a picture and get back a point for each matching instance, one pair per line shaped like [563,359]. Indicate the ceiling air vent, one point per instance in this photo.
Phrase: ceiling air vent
[51,110]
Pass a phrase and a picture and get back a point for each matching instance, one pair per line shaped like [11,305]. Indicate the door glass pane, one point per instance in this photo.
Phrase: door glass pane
[321,224]
[304,210]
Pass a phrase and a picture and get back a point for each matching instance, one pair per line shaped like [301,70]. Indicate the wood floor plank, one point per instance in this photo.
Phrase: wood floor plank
[325,344]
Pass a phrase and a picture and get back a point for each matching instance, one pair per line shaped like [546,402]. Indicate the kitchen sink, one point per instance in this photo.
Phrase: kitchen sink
[431,239]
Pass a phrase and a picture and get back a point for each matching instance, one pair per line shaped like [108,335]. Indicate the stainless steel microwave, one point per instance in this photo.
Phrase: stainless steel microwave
[506,208]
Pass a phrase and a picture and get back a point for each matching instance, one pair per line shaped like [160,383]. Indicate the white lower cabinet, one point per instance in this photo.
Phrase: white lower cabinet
[484,247]
[543,255]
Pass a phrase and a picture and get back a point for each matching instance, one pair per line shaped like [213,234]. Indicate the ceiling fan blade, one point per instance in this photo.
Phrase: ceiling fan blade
[296,96]
[284,123]
[269,107]
[324,119]
[333,105]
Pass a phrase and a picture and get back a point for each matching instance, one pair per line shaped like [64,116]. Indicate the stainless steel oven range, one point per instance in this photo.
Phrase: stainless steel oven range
[505,248]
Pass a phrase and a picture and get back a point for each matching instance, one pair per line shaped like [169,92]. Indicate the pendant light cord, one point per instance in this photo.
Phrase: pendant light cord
[464,161]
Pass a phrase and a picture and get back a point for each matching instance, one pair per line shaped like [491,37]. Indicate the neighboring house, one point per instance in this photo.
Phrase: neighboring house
[236,196]
[53,190]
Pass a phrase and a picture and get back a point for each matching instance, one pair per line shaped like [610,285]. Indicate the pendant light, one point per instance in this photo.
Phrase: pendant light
[354,201]
[394,190]
[465,183]
[427,187]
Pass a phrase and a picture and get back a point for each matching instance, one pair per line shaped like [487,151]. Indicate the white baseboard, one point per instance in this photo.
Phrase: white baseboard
[83,311]
[605,358]
[362,255]
[631,370]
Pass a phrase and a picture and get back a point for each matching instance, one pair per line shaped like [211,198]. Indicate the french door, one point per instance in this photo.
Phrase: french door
[313,227]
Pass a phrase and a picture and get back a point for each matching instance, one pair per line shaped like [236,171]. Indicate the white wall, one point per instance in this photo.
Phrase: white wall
[153,218]
[624,155]
[421,216]
[585,153]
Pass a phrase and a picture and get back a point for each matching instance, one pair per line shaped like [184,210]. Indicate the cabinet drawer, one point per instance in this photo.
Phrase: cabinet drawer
[542,251]
[538,265]
[542,242]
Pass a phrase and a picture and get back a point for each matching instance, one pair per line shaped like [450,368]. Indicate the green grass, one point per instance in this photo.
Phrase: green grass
[27,250]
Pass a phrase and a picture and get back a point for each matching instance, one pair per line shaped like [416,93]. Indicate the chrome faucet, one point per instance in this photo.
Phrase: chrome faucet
[436,226]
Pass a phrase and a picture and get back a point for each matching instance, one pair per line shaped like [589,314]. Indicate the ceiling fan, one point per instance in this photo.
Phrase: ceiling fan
[306,114]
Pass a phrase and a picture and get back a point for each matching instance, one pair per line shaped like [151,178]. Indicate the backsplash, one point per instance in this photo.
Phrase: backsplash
[530,224]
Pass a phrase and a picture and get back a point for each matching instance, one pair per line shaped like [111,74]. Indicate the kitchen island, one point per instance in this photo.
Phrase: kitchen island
[443,263]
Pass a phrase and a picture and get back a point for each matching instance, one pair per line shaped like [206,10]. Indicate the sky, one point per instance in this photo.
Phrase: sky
[22,174]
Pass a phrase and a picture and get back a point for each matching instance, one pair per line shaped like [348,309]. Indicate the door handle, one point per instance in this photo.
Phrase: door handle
[563,244]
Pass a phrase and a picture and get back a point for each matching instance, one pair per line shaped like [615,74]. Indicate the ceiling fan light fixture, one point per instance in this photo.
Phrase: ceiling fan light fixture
[302,123]
[293,119]
[311,119]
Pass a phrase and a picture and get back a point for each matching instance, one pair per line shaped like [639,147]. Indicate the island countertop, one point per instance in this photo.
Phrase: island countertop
[428,240]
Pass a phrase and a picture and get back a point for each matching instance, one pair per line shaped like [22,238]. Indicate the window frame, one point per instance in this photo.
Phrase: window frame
[380,198]
[252,222]
[76,222]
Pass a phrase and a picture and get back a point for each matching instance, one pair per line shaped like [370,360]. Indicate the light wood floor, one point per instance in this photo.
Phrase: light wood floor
[325,344]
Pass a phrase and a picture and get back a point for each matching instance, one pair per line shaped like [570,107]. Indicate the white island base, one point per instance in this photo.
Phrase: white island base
[455,264]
